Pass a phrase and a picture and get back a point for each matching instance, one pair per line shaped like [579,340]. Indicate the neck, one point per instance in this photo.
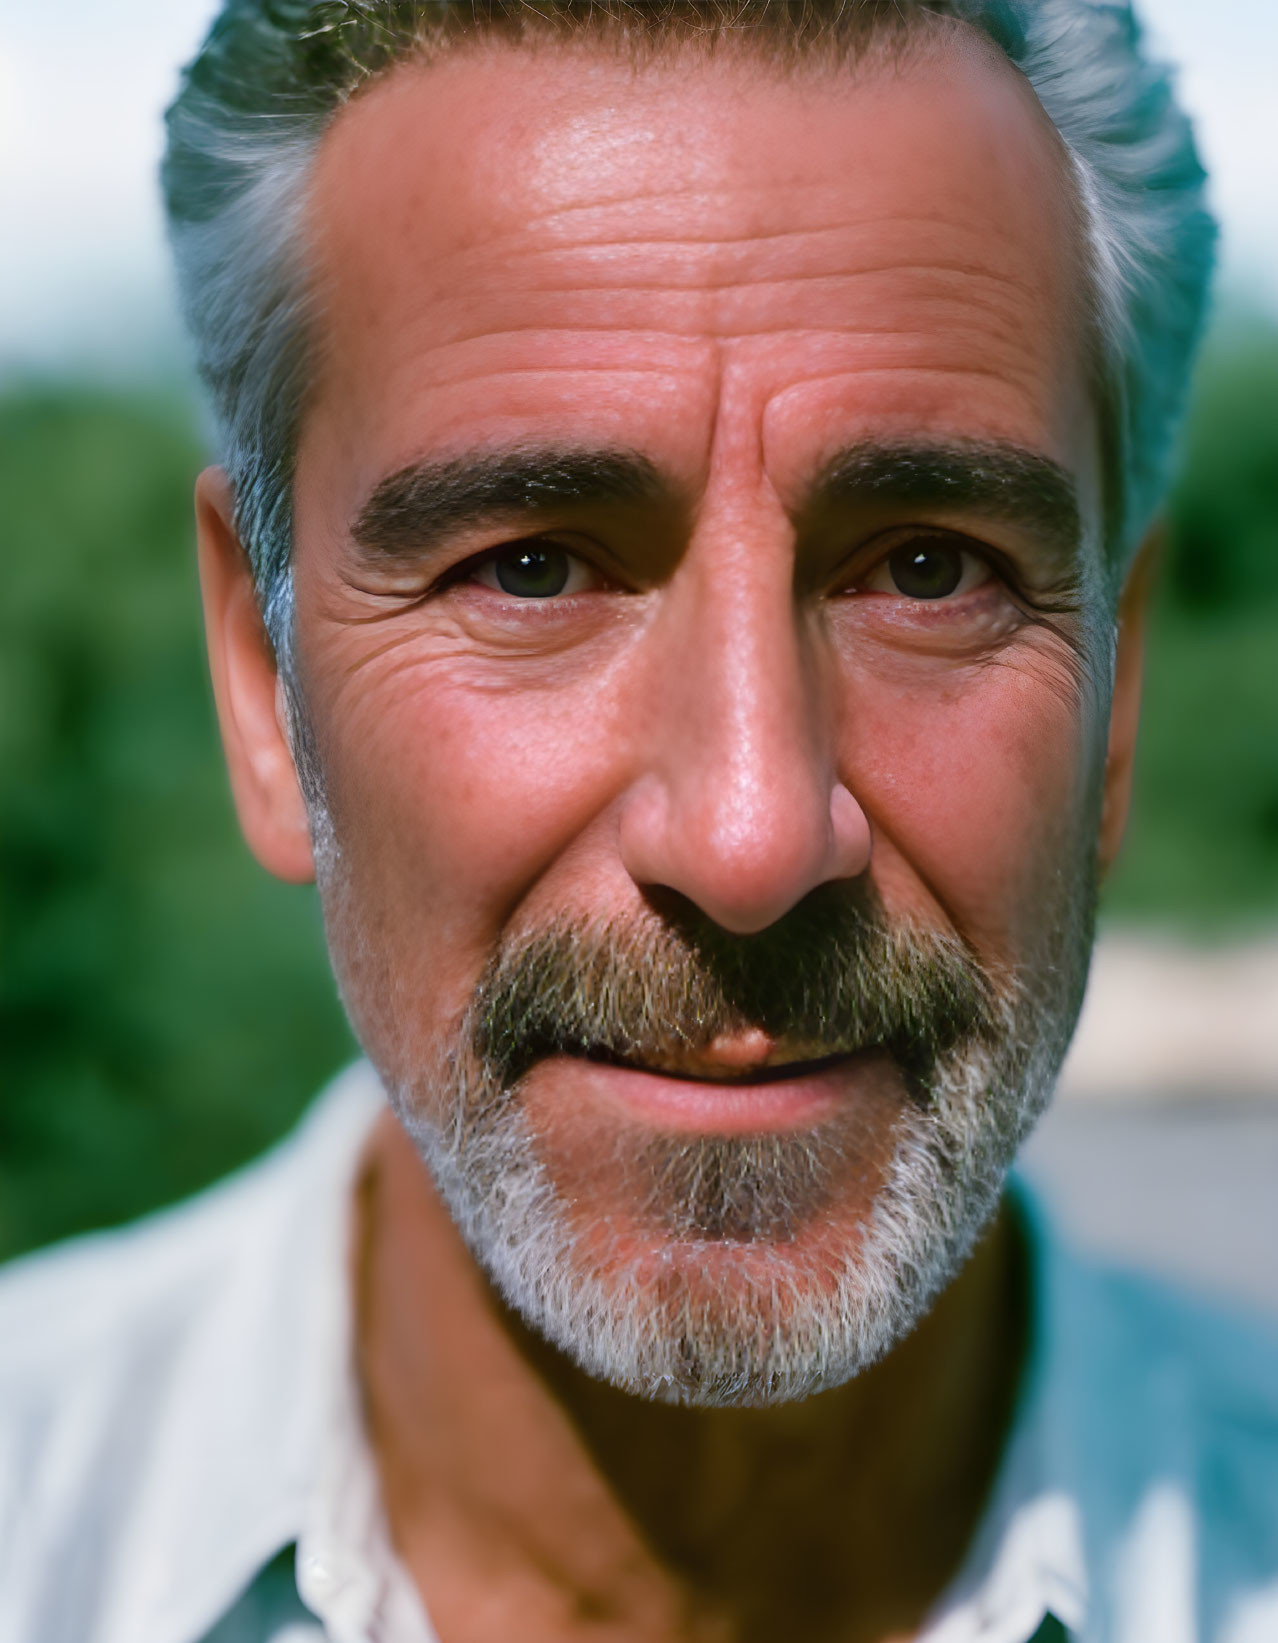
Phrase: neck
[528,1499]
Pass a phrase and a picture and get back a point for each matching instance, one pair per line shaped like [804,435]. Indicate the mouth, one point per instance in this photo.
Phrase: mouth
[710,1095]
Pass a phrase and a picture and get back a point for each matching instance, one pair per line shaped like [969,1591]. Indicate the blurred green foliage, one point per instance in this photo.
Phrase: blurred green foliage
[1202,849]
[166,1009]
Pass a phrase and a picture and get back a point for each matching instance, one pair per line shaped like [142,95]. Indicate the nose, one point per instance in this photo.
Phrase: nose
[737,802]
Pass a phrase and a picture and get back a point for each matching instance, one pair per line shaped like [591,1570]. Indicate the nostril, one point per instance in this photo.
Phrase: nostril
[743,865]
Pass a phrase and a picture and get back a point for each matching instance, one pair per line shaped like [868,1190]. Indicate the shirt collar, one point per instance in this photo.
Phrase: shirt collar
[1028,1557]
[264,1377]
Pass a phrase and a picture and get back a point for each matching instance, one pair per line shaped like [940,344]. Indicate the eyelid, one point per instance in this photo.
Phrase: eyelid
[577,567]
[873,557]
[467,569]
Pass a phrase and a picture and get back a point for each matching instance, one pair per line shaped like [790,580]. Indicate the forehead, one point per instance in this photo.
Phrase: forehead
[517,243]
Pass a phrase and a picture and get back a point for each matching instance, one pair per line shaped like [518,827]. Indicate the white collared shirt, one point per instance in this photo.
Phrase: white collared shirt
[179,1407]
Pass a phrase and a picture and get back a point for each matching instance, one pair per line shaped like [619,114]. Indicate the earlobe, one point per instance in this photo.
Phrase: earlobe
[1124,718]
[268,796]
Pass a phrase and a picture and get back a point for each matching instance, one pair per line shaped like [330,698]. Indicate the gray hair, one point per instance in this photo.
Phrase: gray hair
[253,107]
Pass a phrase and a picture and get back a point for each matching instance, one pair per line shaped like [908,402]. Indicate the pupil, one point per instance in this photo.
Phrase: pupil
[533,573]
[926,572]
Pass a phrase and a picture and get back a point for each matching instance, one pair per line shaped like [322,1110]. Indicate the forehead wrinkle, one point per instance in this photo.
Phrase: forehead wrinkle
[728,271]
[676,203]
[954,339]
[844,246]
[724,273]
[598,220]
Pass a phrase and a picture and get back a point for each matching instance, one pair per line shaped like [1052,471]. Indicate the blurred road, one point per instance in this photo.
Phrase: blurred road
[1190,1192]
[1162,1147]
[1166,1021]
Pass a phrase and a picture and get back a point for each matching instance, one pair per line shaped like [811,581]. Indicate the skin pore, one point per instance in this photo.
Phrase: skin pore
[722,357]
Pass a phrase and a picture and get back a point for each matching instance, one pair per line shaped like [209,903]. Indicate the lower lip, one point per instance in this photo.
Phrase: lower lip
[690,1104]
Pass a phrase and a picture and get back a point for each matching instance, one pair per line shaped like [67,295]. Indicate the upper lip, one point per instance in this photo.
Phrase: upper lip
[787,1061]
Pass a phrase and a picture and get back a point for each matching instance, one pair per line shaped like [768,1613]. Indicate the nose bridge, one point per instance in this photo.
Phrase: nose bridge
[749,703]
[740,806]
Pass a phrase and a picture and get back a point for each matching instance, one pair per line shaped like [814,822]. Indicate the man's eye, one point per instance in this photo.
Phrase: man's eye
[928,568]
[534,570]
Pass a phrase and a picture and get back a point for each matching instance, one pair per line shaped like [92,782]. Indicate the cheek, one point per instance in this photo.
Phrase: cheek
[452,801]
[981,796]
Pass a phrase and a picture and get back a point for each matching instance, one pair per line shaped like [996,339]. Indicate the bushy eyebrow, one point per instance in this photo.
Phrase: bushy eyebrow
[994,480]
[411,508]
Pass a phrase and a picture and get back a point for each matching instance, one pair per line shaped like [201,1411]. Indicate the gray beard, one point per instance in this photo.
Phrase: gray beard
[733,1309]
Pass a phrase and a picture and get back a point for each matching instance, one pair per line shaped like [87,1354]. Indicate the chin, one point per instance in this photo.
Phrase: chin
[742,1271]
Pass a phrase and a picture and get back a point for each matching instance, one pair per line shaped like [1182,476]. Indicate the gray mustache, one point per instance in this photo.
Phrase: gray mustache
[833,976]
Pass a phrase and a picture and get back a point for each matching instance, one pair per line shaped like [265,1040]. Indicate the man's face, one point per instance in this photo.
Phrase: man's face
[695,544]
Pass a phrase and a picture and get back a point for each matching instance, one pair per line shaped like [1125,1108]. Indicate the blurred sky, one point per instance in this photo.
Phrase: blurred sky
[83,277]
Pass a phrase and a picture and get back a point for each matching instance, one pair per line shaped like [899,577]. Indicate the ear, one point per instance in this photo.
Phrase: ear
[1124,718]
[251,707]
